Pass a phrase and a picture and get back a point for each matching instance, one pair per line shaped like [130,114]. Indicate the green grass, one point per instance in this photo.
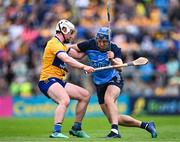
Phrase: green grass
[38,130]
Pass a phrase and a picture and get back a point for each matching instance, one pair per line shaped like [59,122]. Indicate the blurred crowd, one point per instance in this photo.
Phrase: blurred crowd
[149,28]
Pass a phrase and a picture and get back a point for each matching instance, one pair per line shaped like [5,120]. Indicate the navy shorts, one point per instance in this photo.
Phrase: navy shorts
[101,89]
[45,84]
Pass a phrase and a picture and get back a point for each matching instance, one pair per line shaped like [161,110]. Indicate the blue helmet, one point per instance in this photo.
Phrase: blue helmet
[103,33]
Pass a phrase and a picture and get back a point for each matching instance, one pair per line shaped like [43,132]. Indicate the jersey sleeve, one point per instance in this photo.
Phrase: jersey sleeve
[84,46]
[57,48]
[117,51]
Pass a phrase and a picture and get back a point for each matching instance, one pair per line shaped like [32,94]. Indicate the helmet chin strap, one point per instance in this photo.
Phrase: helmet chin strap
[63,36]
[65,40]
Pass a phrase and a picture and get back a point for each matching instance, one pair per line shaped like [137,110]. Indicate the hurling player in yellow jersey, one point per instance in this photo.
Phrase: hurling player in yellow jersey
[51,81]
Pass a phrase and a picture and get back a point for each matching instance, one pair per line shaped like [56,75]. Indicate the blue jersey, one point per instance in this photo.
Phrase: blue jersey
[99,59]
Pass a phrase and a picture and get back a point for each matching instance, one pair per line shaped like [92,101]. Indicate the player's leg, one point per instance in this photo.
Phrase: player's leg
[128,121]
[54,90]
[59,95]
[111,94]
[123,120]
[82,96]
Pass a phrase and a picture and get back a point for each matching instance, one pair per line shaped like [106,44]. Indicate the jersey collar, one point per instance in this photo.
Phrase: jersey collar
[59,40]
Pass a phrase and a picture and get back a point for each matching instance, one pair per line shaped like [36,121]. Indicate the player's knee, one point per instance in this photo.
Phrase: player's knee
[65,101]
[108,100]
[86,96]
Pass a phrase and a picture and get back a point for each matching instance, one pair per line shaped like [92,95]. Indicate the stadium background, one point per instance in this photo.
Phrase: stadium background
[147,28]
[141,28]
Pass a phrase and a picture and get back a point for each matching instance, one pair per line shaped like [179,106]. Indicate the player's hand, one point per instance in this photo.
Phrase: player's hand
[118,62]
[88,69]
[120,69]
[110,55]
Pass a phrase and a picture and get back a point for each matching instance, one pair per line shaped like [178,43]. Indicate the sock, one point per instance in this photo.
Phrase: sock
[144,125]
[77,126]
[114,128]
[57,127]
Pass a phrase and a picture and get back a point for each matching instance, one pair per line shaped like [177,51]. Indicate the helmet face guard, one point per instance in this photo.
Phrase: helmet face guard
[102,36]
[66,27]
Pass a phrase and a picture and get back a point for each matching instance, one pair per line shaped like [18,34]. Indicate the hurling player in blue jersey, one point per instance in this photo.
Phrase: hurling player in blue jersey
[109,83]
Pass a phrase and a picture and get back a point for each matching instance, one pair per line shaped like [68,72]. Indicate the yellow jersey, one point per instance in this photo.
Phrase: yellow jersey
[52,66]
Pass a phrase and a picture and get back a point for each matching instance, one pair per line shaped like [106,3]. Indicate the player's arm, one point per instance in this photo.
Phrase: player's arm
[115,57]
[72,62]
[75,54]
[117,61]
[74,46]
[78,50]
[81,47]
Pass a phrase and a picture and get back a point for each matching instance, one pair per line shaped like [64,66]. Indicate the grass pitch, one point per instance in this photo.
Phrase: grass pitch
[38,130]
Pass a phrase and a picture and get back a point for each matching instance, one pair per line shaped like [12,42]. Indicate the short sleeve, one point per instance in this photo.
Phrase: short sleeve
[117,51]
[57,48]
[84,46]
